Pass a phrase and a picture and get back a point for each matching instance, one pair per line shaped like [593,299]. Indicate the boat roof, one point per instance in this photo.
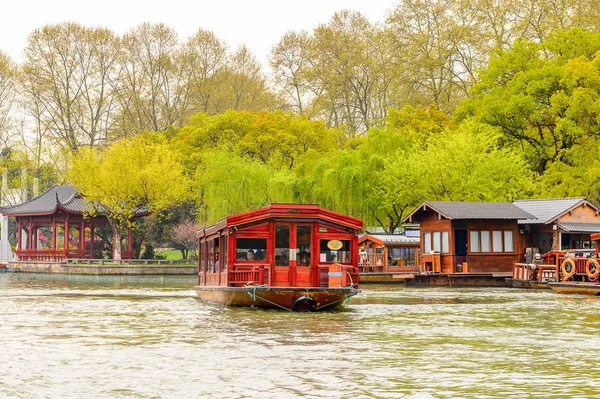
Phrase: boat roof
[287,211]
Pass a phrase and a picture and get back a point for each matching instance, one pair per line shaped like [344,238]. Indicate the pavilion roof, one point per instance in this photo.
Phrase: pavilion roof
[56,198]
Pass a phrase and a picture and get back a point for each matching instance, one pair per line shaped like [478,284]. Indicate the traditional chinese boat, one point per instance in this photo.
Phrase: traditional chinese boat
[296,257]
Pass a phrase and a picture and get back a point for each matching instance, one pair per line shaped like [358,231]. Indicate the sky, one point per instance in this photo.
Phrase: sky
[257,23]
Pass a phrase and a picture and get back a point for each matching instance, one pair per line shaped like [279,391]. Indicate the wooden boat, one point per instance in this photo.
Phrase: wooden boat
[295,257]
[576,287]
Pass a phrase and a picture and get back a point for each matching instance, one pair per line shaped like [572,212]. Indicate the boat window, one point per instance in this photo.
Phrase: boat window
[210,264]
[282,245]
[202,248]
[223,255]
[303,239]
[252,249]
[334,251]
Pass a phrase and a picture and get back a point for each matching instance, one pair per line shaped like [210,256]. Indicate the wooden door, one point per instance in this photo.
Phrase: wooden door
[304,255]
[282,254]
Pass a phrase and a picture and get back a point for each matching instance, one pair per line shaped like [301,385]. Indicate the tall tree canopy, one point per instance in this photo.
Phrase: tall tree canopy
[137,173]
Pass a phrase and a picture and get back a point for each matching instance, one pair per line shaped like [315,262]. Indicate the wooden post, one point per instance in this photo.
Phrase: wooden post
[66,237]
[29,235]
[91,240]
[53,233]
[19,235]
[82,239]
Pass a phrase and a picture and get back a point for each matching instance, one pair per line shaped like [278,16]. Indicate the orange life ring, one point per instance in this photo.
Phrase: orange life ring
[567,268]
[588,268]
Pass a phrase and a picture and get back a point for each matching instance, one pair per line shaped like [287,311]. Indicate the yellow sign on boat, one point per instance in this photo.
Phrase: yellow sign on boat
[335,245]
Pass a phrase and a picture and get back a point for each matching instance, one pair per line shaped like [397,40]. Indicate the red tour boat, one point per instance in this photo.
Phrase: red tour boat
[296,257]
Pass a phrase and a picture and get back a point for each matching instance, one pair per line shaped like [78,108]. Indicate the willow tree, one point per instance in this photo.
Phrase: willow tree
[132,174]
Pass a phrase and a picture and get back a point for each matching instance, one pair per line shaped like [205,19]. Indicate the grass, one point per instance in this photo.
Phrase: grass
[172,254]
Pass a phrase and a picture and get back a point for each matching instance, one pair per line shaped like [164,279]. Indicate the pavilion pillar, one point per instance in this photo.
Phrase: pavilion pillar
[30,235]
[82,239]
[92,240]
[53,233]
[19,235]
[66,234]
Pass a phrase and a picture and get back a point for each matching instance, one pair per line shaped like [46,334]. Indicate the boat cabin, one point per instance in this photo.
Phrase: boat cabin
[388,253]
[281,245]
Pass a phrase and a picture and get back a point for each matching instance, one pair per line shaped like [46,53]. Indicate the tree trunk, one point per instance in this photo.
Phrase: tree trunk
[116,243]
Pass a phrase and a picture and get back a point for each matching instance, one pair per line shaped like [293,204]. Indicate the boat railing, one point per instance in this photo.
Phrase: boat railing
[534,272]
[248,274]
[580,272]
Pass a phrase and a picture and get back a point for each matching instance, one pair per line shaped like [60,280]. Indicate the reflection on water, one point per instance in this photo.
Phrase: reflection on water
[150,337]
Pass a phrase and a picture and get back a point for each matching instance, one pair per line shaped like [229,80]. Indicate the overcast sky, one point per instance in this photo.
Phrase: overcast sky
[257,23]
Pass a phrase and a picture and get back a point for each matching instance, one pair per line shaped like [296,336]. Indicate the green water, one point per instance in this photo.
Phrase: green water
[108,337]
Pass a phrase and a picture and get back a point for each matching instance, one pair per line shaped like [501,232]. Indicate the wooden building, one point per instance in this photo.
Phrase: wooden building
[388,253]
[478,237]
[559,224]
[57,225]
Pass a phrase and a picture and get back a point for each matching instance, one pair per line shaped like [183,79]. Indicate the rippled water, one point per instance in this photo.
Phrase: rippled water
[144,338]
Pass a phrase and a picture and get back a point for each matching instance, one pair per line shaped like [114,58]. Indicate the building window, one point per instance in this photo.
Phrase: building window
[437,241]
[492,241]
[485,241]
[426,243]
[474,236]
[509,242]
[445,246]
[497,241]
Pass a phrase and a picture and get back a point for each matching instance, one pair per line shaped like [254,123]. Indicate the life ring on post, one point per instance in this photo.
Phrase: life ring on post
[567,268]
[592,268]
[304,303]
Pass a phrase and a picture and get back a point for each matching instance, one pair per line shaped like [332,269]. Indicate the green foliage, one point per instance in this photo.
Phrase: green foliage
[141,172]
[545,98]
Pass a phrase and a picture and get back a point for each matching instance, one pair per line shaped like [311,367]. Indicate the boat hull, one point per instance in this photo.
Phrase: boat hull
[288,298]
[575,287]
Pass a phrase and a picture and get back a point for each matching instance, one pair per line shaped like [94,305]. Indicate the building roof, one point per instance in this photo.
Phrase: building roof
[548,210]
[64,198]
[471,210]
[584,228]
[390,238]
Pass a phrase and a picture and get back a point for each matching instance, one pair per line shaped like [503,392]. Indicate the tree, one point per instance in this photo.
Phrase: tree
[69,78]
[203,59]
[545,98]
[151,94]
[7,95]
[184,236]
[140,173]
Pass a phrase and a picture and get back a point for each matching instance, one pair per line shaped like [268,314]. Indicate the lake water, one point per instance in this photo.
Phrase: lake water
[88,337]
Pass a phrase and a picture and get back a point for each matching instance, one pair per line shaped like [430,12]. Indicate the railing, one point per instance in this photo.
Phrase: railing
[132,262]
[41,255]
[579,268]
[243,277]
[532,272]
[375,263]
